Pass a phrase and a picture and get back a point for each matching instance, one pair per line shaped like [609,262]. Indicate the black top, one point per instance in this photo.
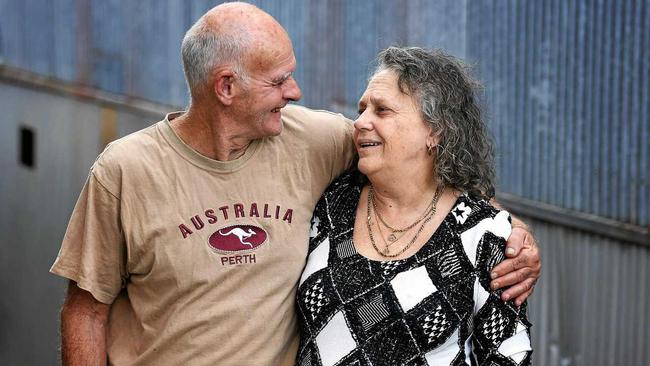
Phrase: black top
[433,308]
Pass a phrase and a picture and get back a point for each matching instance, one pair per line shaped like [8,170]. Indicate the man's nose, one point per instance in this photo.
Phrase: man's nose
[292,90]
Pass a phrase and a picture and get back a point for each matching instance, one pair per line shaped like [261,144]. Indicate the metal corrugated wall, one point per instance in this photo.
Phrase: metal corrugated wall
[567,94]
[568,85]
[591,306]
[36,204]
[567,90]
[133,47]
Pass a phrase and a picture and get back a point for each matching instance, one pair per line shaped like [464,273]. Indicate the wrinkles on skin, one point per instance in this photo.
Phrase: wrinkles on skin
[83,328]
[521,271]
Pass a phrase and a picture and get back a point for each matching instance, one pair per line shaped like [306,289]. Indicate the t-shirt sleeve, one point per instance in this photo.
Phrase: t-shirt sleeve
[343,153]
[93,249]
[501,329]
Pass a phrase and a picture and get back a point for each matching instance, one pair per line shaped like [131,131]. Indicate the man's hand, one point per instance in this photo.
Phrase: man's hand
[83,328]
[521,268]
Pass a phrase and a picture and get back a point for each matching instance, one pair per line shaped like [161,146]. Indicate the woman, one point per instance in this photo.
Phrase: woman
[400,253]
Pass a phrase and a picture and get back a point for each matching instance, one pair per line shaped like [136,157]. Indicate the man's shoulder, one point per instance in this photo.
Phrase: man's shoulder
[129,149]
[302,113]
[313,120]
[315,128]
[130,146]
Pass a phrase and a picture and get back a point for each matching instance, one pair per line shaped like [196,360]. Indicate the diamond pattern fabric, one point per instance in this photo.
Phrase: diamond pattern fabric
[434,308]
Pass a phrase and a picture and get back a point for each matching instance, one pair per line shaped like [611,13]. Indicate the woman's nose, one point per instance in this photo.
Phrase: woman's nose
[364,121]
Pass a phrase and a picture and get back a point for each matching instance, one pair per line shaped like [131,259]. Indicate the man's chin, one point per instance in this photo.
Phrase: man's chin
[274,128]
[278,132]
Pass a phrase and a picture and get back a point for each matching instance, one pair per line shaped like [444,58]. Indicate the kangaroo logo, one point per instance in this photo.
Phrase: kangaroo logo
[241,234]
[237,238]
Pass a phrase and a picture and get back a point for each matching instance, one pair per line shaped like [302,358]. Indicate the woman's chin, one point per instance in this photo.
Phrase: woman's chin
[366,167]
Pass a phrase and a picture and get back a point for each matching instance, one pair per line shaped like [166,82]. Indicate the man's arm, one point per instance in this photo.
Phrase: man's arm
[83,328]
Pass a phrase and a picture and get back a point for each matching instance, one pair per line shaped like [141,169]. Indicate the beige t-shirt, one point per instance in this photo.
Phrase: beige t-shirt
[200,258]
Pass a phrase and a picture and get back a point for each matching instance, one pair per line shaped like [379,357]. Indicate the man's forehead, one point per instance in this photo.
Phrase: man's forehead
[276,63]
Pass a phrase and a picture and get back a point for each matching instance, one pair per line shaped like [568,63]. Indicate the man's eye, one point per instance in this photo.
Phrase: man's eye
[279,82]
[360,111]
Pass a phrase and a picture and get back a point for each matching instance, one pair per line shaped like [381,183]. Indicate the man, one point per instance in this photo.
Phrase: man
[189,236]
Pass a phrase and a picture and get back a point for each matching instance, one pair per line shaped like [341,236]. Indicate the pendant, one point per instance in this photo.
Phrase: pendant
[392,238]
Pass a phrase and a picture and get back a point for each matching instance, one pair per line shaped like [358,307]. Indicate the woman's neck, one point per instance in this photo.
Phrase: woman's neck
[398,192]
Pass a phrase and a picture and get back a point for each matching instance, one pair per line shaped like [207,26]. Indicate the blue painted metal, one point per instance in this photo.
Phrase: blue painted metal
[567,98]
[567,81]
[567,88]
[590,307]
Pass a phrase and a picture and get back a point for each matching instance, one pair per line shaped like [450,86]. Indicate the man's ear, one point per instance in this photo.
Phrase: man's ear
[224,86]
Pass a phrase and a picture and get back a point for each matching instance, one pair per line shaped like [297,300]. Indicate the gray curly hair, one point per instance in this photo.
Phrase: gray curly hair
[447,97]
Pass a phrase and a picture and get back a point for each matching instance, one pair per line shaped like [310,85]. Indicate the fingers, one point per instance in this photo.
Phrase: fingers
[521,273]
[512,278]
[515,241]
[519,292]
[511,265]
[528,257]
[534,261]
[521,298]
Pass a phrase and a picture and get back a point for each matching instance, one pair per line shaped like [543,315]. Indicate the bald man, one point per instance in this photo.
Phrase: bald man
[189,236]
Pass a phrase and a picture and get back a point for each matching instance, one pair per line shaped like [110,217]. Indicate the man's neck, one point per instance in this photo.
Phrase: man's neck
[209,135]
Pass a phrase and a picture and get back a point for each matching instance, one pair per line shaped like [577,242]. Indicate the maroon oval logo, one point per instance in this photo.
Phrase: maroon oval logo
[237,238]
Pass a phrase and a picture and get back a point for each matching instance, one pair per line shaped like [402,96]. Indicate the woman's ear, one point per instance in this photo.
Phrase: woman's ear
[433,139]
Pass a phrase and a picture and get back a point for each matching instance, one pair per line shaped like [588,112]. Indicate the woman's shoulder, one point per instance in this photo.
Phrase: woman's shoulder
[337,206]
[349,183]
[477,221]
[470,210]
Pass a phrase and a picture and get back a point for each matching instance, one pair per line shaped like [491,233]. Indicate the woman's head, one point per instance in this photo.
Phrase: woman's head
[449,125]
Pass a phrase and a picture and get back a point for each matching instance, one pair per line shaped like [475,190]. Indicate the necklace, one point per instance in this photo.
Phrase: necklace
[386,244]
[389,242]
[392,237]
[425,219]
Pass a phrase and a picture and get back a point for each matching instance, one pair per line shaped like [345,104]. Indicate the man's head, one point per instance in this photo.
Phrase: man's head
[208,44]
[239,58]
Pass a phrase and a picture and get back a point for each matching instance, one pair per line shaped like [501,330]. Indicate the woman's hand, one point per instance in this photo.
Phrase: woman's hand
[521,268]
